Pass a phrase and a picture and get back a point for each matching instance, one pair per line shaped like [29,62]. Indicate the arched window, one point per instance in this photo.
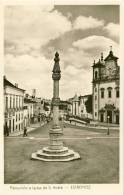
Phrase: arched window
[117,92]
[102,92]
[6,102]
[10,102]
[109,92]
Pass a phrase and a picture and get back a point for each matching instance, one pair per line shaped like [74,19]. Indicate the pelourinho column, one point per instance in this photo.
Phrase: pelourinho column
[56,133]
[55,151]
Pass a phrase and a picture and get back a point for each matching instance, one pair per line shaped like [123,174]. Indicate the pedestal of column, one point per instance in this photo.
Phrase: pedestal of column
[55,151]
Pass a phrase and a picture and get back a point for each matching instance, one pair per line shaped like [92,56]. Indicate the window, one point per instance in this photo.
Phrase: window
[25,107]
[95,89]
[95,113]
[16,102]
[16,117]
[96,74]
[13,102]
[102,94]
[19,102]
[22,101]
[117,93]
[6,102]
[10,102]
[95,97]
[109,94]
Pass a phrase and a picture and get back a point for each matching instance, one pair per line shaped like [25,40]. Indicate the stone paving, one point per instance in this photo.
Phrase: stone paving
[99,161]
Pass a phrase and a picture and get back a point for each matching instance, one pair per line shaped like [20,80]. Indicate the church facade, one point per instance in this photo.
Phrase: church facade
[106,87]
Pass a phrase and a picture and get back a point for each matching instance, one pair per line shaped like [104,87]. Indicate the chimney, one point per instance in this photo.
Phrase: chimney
[16,84]
[33,92]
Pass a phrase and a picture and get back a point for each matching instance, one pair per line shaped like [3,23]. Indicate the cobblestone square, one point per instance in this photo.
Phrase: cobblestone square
[99,161]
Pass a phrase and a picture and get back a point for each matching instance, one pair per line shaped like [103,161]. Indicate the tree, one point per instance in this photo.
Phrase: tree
[88,104]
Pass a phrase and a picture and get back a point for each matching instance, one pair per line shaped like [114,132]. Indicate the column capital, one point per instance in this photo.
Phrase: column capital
[56,69]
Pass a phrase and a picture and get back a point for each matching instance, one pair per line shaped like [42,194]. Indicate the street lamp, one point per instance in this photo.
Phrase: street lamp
[62,121]
[108,132]
[40,116]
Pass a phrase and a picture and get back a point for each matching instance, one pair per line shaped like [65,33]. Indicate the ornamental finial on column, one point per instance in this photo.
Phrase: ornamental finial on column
[56,69]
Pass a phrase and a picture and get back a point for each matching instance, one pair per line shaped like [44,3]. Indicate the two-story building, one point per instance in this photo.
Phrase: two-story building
[13,106]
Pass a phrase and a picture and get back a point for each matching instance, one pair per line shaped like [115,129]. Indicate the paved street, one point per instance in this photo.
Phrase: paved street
[99,161]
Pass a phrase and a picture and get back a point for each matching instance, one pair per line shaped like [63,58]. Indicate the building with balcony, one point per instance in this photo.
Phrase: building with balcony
[13,106]
[105,86]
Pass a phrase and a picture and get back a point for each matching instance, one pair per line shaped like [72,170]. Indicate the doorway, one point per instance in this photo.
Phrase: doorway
[109,113]
[13,125]
[117,119]
[102,118]
[10,126]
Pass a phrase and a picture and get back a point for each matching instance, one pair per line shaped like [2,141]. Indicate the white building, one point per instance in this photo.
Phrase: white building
[13,106]
[77,106]
[106,77]
[28,111]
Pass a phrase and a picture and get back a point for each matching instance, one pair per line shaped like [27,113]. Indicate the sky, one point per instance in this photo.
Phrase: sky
[78,32]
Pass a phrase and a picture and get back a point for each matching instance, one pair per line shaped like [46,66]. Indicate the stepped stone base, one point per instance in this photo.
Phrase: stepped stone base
[63,155]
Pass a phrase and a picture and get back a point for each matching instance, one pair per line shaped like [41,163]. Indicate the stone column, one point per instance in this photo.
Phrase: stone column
[56,133]
[55,151]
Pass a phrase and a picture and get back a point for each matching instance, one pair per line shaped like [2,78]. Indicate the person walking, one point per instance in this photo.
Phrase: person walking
[25,132]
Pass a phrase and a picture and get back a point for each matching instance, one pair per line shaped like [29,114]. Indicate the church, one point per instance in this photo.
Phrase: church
[105,88]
